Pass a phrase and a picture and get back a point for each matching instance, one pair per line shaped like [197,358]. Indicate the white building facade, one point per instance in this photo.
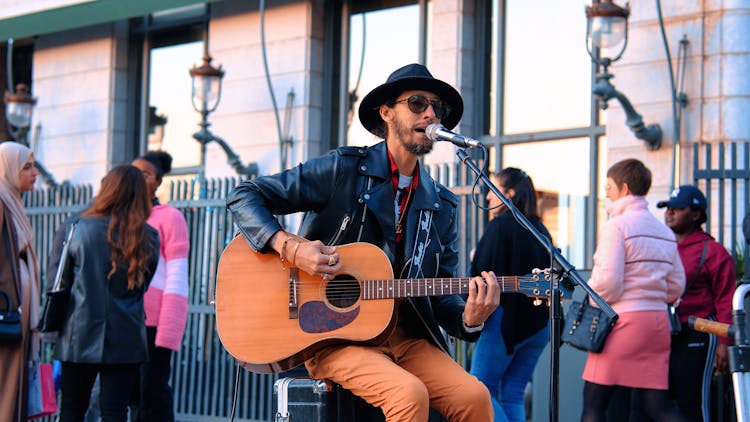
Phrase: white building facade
[296,69]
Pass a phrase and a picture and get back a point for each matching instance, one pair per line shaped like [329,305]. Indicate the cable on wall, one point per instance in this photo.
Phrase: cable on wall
[282,142]
[679,98]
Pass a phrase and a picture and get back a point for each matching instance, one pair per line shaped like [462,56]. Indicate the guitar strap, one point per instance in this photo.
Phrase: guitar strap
[421,242]
[697,274]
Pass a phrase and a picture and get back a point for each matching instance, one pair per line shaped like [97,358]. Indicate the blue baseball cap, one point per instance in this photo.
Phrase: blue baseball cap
[684,196]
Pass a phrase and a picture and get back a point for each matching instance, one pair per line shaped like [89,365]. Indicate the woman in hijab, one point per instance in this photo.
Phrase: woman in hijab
[19,277]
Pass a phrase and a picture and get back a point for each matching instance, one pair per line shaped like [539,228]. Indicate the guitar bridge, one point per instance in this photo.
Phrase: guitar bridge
[293,290]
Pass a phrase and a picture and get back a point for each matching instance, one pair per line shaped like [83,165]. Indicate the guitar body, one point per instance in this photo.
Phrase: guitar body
[258,327]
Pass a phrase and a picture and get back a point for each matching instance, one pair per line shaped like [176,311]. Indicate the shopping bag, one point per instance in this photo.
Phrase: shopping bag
[42,399]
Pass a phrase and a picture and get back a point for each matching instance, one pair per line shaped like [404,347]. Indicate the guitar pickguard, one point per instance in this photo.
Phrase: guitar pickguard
[316,317]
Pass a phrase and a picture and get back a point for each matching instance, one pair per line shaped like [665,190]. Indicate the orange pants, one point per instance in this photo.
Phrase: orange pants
[405,377]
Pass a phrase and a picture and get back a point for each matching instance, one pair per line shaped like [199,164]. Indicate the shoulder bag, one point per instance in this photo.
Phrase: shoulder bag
[10,319]
[56,304]
[675,326]
[586,327]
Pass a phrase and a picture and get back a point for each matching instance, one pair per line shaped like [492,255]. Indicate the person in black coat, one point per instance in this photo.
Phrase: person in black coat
[112,256]
[515,335]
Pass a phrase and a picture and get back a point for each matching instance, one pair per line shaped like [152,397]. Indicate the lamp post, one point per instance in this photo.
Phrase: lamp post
[206,93]
[607,28]
[19,106]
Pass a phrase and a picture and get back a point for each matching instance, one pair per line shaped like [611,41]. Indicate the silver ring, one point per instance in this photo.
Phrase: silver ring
[325,276]
[331,260]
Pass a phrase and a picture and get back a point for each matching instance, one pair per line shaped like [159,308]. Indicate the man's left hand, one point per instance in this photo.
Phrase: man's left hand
[484,297]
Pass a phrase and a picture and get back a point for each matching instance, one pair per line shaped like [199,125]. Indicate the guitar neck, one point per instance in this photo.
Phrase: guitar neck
[402,288]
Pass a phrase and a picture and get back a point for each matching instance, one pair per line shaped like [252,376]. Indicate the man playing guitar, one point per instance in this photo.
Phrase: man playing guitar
[382,196]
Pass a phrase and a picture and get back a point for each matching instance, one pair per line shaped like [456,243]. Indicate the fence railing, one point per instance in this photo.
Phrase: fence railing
[722,172]
[204,375]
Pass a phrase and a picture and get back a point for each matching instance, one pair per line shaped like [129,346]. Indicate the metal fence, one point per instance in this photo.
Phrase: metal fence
[203,374]
[722,172]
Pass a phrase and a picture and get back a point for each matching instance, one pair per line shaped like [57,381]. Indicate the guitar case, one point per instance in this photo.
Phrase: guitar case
[311,400]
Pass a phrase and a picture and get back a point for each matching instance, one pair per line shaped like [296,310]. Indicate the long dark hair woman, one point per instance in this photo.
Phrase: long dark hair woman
[515,335]
[113,255]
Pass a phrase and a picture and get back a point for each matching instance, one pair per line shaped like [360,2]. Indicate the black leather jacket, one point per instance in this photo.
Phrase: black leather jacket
[347,196]
[105,322]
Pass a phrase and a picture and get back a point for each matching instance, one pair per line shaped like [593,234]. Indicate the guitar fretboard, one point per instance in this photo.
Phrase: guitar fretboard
[396,289]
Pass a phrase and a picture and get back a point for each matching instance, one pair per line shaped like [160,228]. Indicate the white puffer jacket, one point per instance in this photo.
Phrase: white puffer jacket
[636,264]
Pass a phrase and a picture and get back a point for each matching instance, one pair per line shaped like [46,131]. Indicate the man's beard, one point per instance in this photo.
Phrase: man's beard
[406,137]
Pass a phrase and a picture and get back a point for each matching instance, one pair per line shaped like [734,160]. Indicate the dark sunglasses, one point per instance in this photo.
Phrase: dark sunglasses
[419,103]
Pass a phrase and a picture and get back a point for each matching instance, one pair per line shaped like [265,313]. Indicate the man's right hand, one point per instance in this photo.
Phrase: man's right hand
[312,257]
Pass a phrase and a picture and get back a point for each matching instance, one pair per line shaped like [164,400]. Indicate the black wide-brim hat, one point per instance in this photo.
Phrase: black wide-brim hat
[409,78]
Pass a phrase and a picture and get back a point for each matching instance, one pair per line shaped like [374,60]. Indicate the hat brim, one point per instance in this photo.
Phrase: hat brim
[671,204]
[369,108]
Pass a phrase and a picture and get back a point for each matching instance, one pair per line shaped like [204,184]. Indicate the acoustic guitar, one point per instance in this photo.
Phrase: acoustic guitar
[272,318]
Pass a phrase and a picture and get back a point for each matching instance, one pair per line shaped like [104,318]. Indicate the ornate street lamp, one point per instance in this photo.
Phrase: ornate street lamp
[19,106]
[206,93]
[606,30]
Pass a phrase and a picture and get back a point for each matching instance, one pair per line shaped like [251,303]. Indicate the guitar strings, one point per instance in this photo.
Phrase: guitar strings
[343,288]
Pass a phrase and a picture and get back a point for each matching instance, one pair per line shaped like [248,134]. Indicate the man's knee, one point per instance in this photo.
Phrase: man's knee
[471,402]
[474,392]
[411,402]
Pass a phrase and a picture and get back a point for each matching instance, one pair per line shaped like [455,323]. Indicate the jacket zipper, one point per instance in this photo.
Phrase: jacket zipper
[341,231]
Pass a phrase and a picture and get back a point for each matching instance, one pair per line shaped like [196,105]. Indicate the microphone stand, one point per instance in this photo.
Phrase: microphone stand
[565,272]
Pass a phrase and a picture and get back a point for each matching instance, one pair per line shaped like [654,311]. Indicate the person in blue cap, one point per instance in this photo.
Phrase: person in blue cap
[709,285]
[383,196]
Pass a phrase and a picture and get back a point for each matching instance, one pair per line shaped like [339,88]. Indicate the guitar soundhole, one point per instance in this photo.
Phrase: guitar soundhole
[342,291]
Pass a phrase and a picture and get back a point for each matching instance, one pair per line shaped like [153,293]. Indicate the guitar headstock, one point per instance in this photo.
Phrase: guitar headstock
[538,285]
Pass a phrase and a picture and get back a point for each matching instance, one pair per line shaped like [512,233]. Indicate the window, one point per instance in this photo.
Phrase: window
[562,188]
[380,41]
[166,45]
[542,103]
[547,72]
[169,92]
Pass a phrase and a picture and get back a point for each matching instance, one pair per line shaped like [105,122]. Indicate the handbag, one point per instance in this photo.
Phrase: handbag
[10,322]
[56,303]
[10,319]
[675,326]
[586,327]
[42,400]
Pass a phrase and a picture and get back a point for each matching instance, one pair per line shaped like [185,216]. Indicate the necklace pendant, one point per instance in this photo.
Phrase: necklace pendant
[399,229]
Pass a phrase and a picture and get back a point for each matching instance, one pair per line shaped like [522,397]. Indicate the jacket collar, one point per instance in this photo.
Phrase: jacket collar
[376,165]
[629,202]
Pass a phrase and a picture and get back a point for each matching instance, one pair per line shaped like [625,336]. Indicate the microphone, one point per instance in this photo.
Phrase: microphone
[436,132]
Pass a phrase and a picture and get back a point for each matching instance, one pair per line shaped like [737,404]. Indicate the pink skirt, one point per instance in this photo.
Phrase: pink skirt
[636,353]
